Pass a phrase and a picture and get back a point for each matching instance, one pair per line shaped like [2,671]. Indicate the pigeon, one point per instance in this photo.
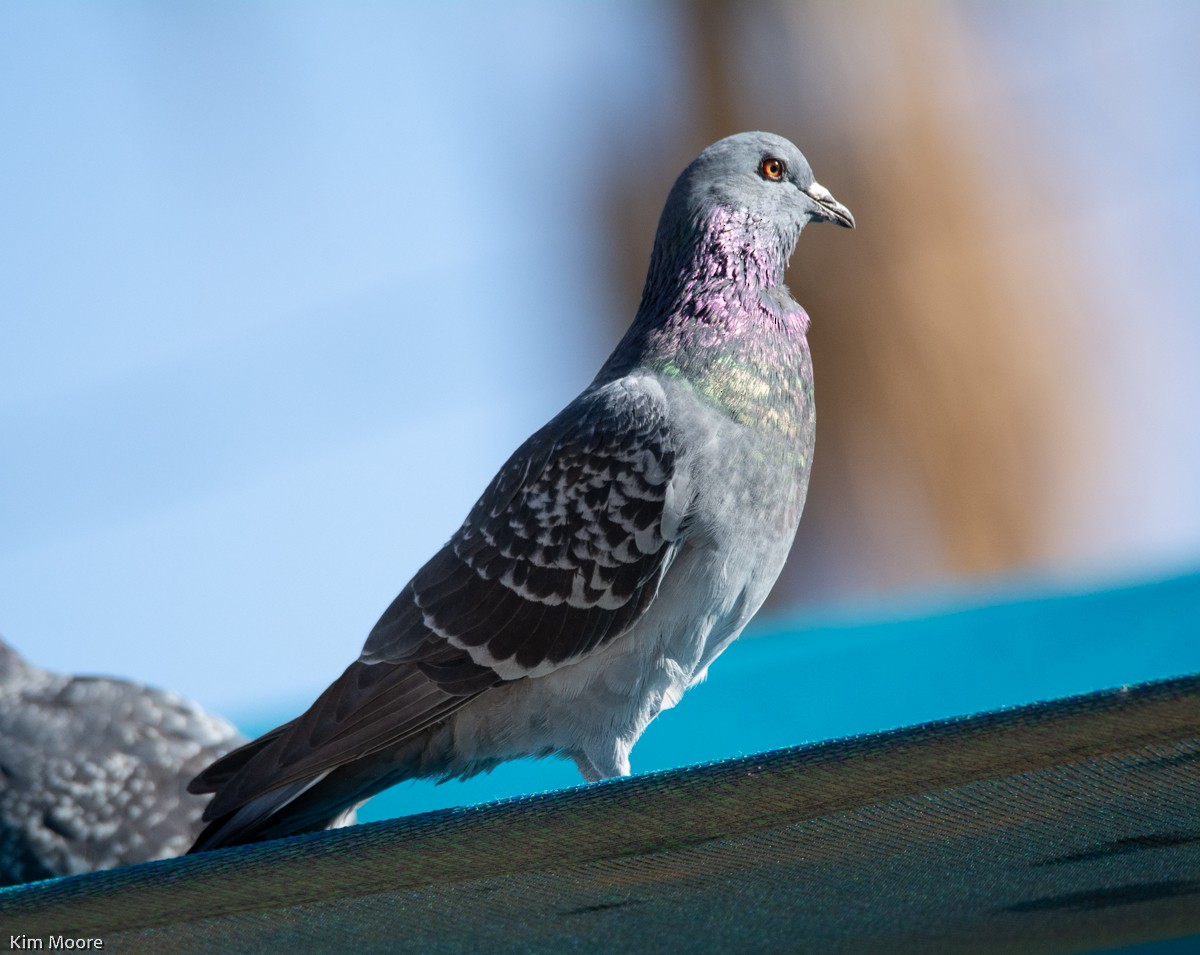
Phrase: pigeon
[94,771]
[614,556]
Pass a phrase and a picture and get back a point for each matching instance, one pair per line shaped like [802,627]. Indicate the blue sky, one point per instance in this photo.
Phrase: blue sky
[281,285]
[281,290]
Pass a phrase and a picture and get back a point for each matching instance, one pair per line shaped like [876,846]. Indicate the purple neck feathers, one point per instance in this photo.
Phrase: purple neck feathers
[714,292]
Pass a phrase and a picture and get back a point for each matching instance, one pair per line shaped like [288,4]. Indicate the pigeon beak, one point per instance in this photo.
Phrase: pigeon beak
[828,208]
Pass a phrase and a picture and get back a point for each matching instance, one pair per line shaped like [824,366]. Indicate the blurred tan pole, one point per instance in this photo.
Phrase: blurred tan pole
[935,337]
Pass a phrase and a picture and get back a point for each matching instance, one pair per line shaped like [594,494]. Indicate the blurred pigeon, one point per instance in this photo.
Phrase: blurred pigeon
[94,772]
[616,553]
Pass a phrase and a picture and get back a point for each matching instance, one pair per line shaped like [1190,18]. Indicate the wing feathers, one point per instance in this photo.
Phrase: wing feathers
[569,534]
[562,553]
[379,705]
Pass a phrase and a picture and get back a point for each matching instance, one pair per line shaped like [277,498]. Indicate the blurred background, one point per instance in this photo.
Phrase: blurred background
[282,285]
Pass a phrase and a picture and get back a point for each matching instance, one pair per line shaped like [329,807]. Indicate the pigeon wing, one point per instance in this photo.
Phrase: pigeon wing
[562,554]
[565,549]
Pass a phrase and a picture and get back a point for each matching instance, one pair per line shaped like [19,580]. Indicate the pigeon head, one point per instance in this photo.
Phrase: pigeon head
[716,279]
[760,174]
[736,212]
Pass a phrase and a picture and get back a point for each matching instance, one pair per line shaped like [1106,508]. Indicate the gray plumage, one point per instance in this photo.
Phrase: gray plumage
[614,556]
[94,771]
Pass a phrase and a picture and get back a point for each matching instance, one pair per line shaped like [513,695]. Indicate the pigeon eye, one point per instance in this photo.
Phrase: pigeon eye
[773,169]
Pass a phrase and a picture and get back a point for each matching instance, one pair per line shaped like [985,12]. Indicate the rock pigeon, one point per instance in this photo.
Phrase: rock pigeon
[613,557]
[94,771]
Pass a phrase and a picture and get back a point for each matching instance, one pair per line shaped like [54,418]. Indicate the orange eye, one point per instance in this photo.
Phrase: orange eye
[773,169]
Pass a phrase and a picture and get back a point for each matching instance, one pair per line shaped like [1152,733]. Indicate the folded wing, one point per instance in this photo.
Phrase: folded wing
[563,553]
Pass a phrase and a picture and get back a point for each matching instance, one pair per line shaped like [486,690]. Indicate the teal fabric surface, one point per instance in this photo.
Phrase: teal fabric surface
[1068,826]
[1062,827]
